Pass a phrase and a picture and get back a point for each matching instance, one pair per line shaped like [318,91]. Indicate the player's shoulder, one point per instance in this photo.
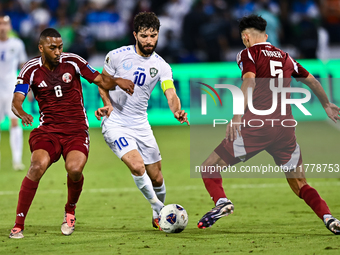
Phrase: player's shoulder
[15,41]
[238,56]
[68,56]
[157,57]
[32,62]
[30,65]
[122,51]
[159,60]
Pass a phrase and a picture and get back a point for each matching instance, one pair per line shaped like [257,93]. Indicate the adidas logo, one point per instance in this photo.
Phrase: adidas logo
[20,215]
[42,84]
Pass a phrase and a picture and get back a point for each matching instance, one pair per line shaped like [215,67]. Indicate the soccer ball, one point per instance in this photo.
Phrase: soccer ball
[173,218]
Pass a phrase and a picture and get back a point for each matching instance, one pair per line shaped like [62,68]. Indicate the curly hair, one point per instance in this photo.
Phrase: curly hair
[146,20]
[253,21]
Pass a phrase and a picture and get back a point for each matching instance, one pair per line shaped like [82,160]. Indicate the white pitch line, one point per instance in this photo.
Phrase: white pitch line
[226,186]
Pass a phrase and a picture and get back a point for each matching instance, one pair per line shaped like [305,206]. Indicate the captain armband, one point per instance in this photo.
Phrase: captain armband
[22,88]
[168,84]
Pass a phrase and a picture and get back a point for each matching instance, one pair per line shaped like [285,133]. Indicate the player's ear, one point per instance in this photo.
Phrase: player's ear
[266,37]
[40,47]
[135,35]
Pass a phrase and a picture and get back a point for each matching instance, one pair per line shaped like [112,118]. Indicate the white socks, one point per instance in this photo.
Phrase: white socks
[144,184]
[160,192]
[16,142]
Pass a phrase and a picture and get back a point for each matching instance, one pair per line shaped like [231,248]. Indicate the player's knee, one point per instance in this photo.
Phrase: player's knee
[137,168]
[74,168]
[157,180]
[36,170]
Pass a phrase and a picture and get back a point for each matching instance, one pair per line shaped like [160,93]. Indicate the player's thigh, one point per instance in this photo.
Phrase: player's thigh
[79,142]
[120,140]
[40,161]
[48,142]
[147,146]
[285,150]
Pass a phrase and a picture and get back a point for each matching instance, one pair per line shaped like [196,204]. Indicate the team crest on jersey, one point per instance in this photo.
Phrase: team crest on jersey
[153,72]
[107,60]
[127,65]
[67,77]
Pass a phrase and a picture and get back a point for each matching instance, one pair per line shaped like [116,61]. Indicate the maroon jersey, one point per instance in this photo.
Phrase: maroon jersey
[267,61]
[59,92]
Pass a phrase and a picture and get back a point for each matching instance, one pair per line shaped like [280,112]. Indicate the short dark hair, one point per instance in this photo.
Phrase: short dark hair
[49,32]
[146,20]
[252,21]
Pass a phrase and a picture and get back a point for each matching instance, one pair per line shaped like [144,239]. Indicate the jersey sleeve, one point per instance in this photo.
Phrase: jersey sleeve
[299,70]
[246,62]
[109,64]
[166,73]
[82,66]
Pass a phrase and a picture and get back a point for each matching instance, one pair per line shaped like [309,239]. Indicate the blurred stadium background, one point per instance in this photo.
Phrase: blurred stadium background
[197,37]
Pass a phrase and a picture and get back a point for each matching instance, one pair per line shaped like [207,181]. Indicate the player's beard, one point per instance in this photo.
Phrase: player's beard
[144,51]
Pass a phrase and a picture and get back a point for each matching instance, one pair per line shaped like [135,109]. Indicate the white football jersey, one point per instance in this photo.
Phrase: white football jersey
[144,72]
[12,53]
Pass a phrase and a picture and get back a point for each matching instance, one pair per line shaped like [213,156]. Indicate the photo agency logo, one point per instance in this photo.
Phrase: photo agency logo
[278,91]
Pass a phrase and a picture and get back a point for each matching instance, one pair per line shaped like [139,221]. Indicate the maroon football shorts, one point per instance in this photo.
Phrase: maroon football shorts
[280,142]
[57,144]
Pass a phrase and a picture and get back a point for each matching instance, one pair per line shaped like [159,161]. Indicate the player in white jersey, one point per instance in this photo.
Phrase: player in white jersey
[125,126]
[12,55]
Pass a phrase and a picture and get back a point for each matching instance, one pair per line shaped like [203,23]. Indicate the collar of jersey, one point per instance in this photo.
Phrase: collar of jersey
[262,43]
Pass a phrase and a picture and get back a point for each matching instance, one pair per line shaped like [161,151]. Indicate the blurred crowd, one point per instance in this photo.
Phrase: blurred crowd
[191,30]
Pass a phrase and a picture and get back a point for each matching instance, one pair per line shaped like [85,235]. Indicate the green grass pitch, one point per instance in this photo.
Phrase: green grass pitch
[114,218]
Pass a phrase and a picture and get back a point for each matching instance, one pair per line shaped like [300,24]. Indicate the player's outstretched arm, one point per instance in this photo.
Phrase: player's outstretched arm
[17,101]
[175,106]
[331,109]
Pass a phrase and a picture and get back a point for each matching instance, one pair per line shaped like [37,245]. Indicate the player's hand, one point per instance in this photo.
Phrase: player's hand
[182,116]
[103,111]
[26,119]
[231,132]
[126,85]
[333,112]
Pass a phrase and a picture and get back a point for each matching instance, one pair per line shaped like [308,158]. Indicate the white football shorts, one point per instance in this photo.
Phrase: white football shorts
[6,107]
[123,139]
